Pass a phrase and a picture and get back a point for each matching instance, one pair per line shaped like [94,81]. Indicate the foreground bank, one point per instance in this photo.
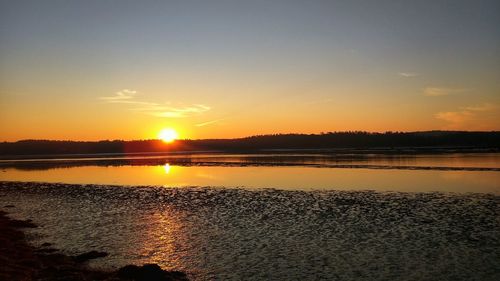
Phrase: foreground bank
[21,261]
[268,234]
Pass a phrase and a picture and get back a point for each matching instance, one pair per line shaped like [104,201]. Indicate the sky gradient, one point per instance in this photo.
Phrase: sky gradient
[92,70]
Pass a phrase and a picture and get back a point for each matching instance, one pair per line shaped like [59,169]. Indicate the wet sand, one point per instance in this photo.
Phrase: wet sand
[268,234]
[22,261]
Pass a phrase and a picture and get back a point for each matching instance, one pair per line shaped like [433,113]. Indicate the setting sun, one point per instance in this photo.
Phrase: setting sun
[168,135]
[234,140]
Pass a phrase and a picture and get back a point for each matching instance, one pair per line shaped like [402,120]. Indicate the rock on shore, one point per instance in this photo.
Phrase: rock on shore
[21,261]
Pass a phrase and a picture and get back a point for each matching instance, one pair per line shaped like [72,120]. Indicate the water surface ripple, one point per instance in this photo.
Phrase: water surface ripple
[269,234]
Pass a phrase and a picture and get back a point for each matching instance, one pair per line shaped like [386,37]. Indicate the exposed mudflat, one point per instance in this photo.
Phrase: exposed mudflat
[21,261]
[268,234]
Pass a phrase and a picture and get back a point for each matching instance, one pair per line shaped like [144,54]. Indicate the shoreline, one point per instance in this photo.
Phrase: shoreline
[22,261]
[382,151]
[267,234]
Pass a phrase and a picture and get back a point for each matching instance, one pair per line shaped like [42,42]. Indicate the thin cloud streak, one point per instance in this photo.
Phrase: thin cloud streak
[408,74]
[177,112]
[457,119]
[209,122]
[134,102]
[439,92]
[483,107]
[127,96]
[124,94]
[454,116]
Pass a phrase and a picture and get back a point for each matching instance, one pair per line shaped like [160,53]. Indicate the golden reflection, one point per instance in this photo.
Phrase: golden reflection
[207,176]
[163,240]
[167,168]
[278,177]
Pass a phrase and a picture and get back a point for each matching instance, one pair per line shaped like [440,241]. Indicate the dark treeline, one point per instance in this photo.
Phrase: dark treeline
[333,140]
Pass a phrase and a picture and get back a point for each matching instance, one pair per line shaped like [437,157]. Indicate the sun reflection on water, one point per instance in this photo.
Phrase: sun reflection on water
[163,241]
[167,168]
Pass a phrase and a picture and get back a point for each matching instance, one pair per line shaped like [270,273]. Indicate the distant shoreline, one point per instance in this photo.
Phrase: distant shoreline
[334,142]
[304,158]
[332,151]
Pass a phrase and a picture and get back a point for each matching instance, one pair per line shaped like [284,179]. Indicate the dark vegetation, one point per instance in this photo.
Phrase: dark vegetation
[332,140]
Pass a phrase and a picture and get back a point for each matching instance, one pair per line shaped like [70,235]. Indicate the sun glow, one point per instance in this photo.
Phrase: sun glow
[168,135]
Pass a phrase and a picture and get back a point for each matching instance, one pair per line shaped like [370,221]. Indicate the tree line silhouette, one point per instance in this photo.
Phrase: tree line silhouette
[330,140]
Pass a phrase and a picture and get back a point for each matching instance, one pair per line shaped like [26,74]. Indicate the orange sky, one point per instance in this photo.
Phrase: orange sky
[95,71]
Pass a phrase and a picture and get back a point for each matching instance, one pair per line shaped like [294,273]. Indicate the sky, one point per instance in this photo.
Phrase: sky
[93,70]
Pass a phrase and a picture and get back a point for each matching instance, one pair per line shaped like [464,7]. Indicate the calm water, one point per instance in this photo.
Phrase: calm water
[270,217]
[446,172]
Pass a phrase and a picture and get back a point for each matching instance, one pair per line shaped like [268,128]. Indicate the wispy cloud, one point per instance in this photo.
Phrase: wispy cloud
[454,116]
[408,74]
[176,112]
[209,122]
[483,107]
[465,115]
[135,102]
[438,92]
[120,96]
[165,110]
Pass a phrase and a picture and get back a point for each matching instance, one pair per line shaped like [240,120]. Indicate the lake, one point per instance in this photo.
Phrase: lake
[269,217]
[465,172]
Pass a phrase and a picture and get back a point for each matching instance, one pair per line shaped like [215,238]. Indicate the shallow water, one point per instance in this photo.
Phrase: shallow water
[270,217]
[268,234]
[466,172]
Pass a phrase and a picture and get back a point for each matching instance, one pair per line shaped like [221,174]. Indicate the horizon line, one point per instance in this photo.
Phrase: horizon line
[263,135]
